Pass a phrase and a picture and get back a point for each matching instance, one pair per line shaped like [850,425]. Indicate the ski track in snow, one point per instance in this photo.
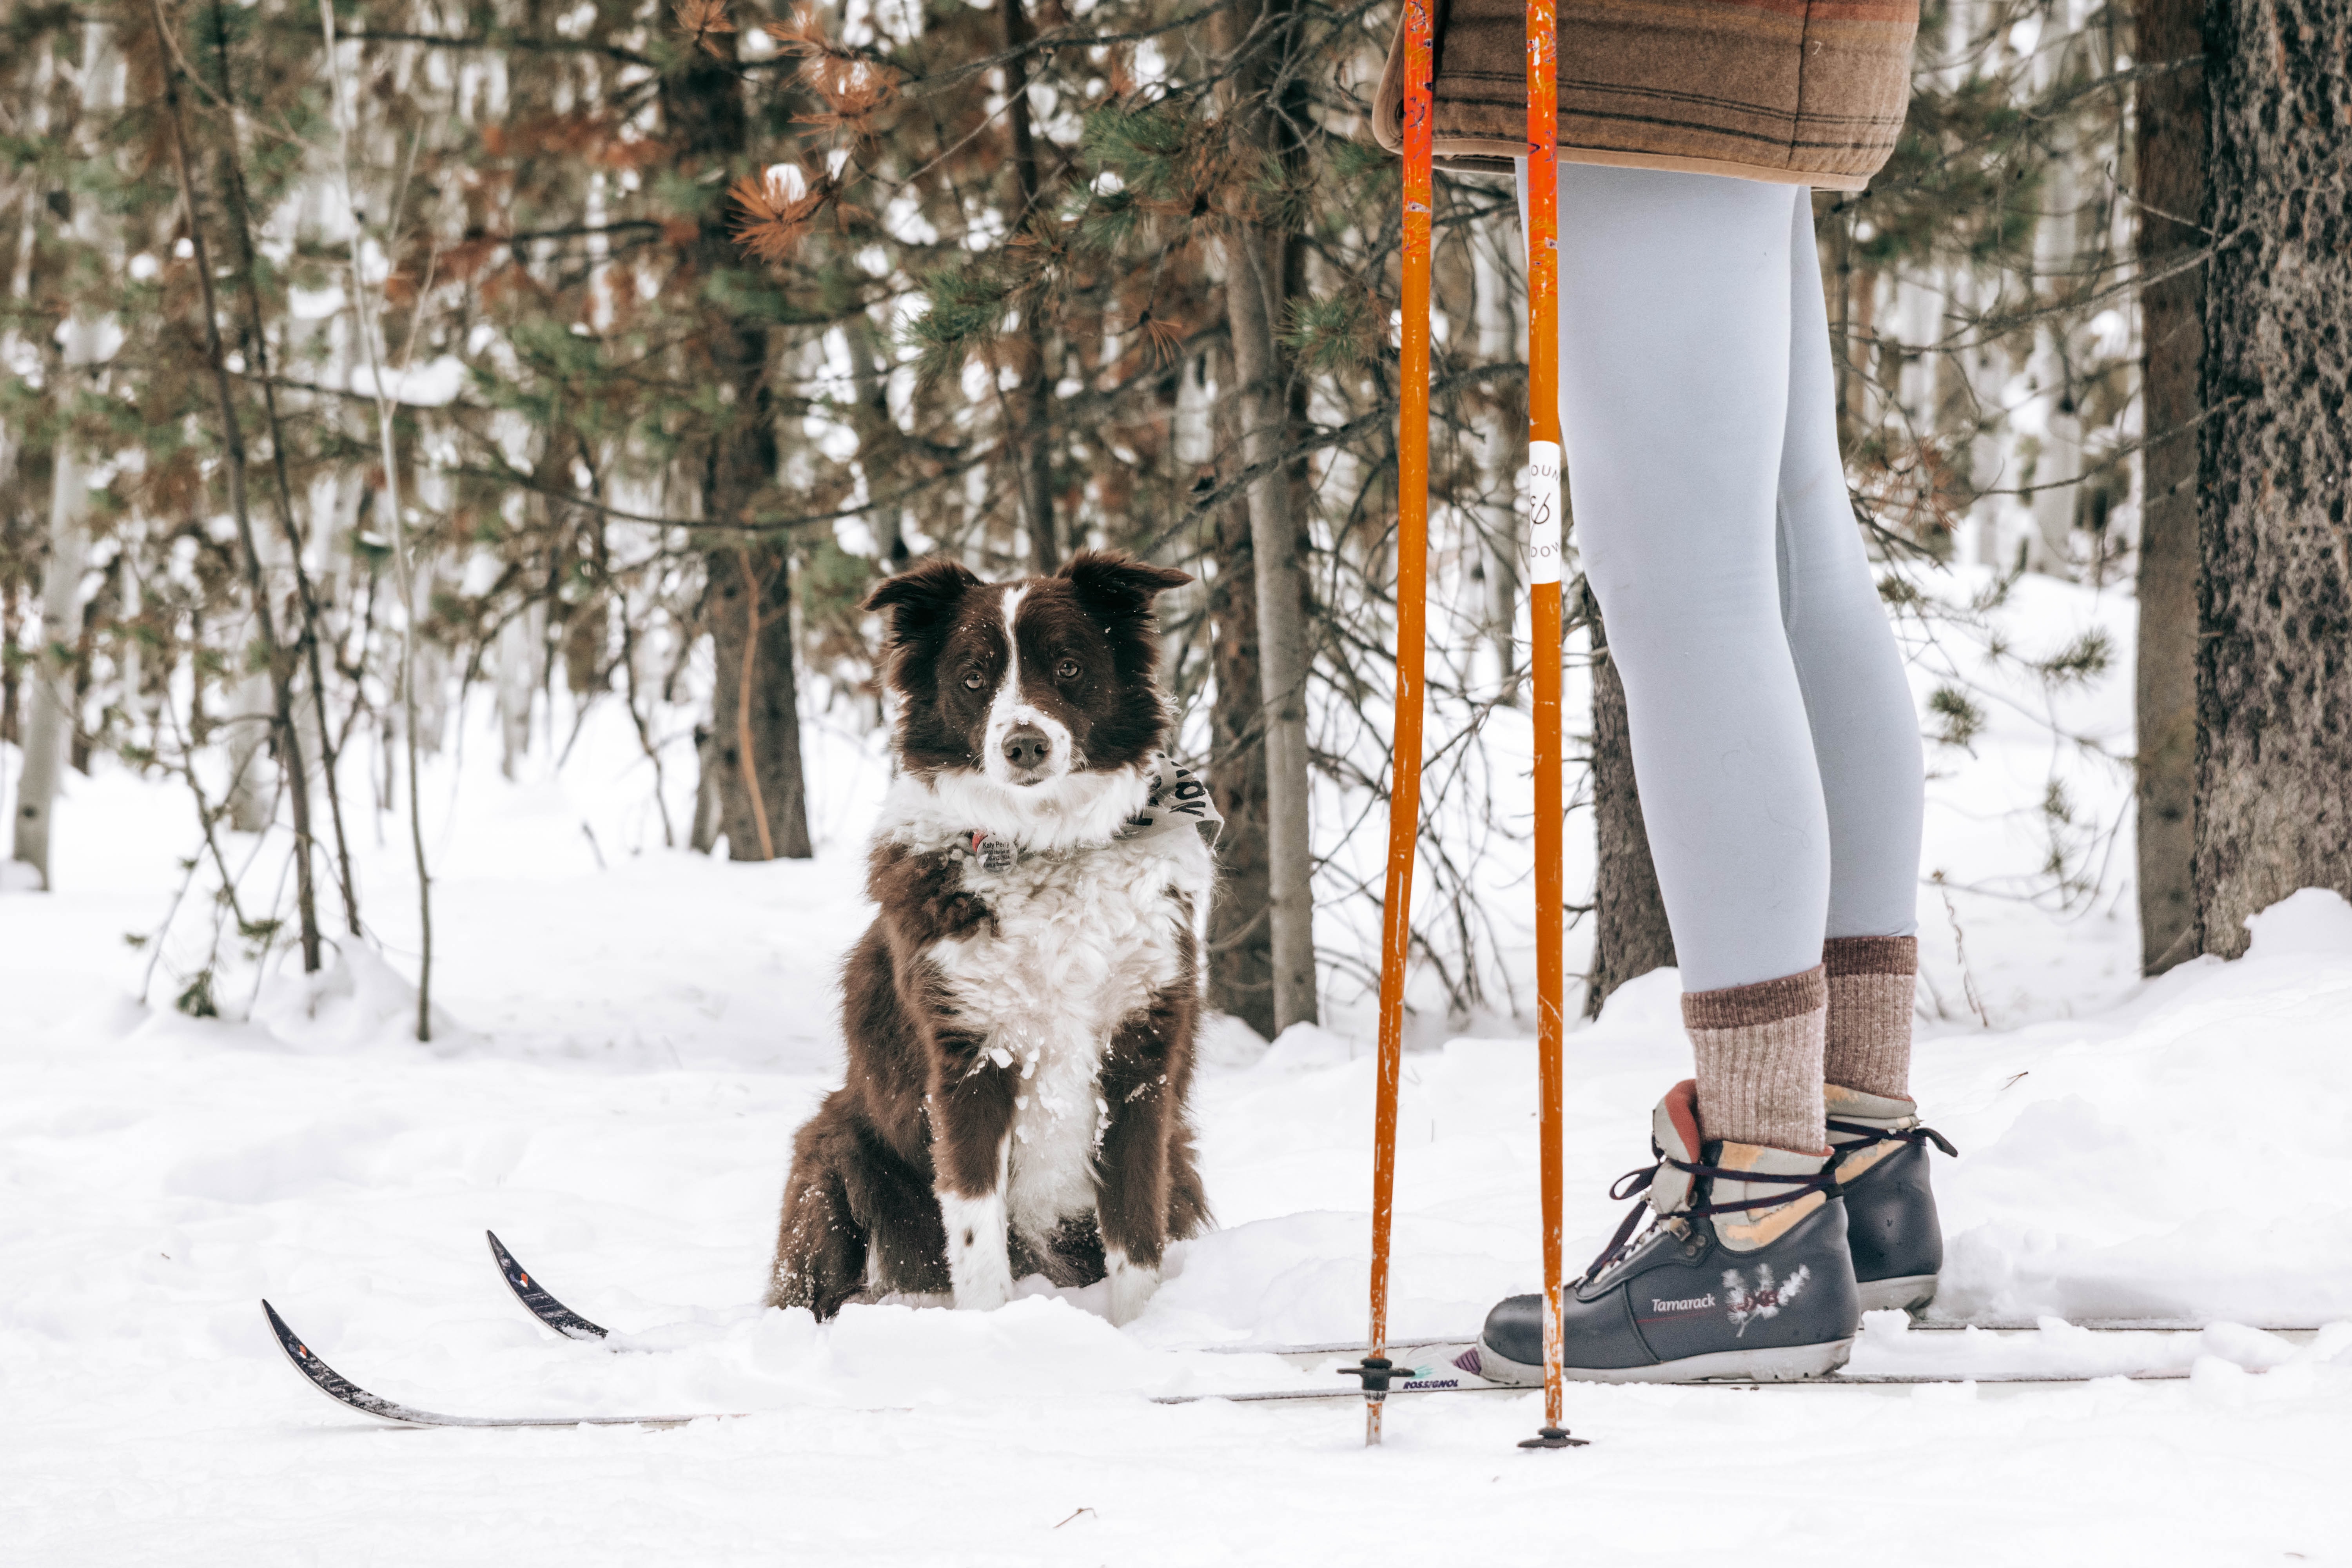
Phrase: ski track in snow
[627,1053]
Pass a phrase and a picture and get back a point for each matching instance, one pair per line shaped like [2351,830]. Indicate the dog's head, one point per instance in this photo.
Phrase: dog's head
[1025,683]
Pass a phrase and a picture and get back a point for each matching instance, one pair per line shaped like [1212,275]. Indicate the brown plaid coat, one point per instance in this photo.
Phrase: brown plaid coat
[1806,92]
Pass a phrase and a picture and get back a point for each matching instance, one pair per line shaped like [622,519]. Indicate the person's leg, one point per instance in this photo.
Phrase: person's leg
[1866,732]
[1675,339]
[1866,736]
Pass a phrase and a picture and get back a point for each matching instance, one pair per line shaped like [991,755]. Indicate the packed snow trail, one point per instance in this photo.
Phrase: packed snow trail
[164,1173]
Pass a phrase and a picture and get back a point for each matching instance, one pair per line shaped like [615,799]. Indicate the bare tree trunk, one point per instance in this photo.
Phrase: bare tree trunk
[1630,936]
[2171,120]
[306,650]
[755,720]
[1255,271]
[1032,403]
[233,467]
[1241,930]
[708,795]
[2275,662]
[877,433]
[523,659]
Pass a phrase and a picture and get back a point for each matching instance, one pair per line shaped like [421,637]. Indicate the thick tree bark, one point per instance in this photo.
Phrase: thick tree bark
[2170,116]
[1032,407]
[1630,936]
[755,720]
[2275,663]
[1241,934]
[1254,270]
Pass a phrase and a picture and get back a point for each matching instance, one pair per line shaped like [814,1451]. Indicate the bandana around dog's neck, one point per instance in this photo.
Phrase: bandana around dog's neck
[1178,799]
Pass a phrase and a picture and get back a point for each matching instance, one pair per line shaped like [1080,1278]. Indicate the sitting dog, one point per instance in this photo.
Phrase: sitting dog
[1020,1015]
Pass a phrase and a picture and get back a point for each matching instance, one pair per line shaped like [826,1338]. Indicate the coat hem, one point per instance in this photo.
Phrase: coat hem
[1471,154]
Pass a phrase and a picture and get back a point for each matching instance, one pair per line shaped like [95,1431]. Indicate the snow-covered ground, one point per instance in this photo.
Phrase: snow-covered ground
[631,1035]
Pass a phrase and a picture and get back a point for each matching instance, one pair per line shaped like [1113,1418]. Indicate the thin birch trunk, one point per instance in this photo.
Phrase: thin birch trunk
[12,344]
[1501,446]
[49,720]
[2058,466]
[49,711]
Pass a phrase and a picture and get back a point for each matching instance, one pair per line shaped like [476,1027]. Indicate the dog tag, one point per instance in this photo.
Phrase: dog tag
[994,854]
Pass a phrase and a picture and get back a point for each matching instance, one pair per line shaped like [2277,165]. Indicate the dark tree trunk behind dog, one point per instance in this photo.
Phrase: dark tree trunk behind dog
[1263,41]
[1241,934]
[2274,665]
[1630,936]
[2170,133]
[756,742]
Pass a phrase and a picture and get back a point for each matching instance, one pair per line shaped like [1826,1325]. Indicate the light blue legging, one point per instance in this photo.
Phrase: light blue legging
[1773,734]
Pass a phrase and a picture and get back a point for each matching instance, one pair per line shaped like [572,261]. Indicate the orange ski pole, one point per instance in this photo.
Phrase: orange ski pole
[1404,791]
[1543,576]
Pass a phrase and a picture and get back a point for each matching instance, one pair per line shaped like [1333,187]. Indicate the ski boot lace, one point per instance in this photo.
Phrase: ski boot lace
[1634,1182]
[1863,1135]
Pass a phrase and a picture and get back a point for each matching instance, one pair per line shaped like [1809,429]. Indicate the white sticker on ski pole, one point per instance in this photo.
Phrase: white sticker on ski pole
[1543,511]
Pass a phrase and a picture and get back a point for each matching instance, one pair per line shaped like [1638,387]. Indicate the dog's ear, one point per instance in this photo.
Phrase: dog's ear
[920,596]
[1115,583]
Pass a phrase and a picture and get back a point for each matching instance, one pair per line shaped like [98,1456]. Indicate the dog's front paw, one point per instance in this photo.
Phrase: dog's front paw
[1131,1285]
[983,1291]
[979,1269]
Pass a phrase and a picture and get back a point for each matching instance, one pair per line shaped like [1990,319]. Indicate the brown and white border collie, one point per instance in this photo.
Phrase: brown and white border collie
[1020,1016]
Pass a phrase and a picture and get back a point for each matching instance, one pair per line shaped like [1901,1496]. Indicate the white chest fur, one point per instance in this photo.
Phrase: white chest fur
[1082,940]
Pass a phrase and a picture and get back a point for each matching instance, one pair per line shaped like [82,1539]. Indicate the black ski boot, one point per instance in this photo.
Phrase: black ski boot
[1742,1275]
[1890,1208]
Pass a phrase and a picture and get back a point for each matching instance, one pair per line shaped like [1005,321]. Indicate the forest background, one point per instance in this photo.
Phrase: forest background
[370,359]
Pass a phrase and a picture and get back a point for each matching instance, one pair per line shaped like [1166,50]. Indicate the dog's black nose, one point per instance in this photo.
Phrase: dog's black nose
[1026,747]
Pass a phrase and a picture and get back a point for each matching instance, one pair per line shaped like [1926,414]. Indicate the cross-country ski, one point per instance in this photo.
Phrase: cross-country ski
[350,1395]
[1429,1366]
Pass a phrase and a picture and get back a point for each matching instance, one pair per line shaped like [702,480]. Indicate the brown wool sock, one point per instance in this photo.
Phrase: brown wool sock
[1870,981]
[1760,1060]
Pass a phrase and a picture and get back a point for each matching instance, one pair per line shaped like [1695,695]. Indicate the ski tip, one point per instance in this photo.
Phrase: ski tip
[300,1355]
[537,1300]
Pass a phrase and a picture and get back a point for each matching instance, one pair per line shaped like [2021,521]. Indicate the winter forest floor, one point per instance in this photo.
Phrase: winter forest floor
[631,1035]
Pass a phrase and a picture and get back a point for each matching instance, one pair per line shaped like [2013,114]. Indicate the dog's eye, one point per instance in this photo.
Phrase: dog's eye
[972,683]
[1067,670]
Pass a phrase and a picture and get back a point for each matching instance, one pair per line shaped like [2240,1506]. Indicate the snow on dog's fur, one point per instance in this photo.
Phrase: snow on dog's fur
[1020,1036]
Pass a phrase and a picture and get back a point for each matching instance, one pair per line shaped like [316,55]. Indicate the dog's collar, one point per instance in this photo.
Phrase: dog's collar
[1178,799]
